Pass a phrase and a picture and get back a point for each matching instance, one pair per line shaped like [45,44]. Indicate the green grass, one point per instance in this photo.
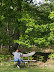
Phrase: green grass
[11,67]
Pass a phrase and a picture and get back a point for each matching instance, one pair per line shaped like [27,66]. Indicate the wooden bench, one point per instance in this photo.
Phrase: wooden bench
[27,55]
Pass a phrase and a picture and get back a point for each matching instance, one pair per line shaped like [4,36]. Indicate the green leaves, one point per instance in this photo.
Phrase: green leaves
[46,0]
[51,56]
[2,17]
[34,27]
[26,24]
[25,43]
[51,16]
[51,38]
[52,26]
[28,30]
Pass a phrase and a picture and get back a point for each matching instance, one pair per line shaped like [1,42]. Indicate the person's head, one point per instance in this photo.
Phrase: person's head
[17,50]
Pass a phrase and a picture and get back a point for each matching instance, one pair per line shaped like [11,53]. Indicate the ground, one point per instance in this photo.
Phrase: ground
[6,66]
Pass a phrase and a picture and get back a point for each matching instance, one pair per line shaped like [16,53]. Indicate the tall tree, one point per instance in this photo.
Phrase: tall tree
[24,23]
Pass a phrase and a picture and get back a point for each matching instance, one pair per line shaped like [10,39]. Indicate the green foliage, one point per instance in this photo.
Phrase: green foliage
[4,51]
[51,56]
[26,43]
[4,57]
[26,24]
[51,15]
[46,0]
[26,58]
[31,58]
[5,54]
[51,38]
[41,58]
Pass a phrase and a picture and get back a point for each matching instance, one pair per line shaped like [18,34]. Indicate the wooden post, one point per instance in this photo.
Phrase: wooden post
[28,61]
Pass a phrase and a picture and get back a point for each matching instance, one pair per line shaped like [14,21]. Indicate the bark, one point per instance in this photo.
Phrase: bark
[1,47]
[8,30]
[17,34]
[51,7]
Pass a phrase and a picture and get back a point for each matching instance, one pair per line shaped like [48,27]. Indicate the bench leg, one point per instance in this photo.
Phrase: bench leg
[28,63]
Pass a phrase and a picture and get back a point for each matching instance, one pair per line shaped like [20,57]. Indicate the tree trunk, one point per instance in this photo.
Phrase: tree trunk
[1,47]
[17,34]
[51,7]
[8,35]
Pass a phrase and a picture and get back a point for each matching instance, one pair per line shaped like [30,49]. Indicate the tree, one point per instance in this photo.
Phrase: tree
[51,38]
[37,26]
[24,23]
[10,12]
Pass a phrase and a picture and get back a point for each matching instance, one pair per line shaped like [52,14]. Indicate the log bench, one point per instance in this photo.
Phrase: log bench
[27,55]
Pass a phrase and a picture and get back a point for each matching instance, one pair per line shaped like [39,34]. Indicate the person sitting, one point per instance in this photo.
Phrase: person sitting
[17,58]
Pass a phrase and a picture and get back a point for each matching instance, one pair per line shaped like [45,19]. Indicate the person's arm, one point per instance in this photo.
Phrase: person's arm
[13,53]
[21,54]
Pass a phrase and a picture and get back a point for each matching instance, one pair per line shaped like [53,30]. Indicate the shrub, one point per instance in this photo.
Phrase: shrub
[41,58]
[4,57]
[26,58]
[51,56]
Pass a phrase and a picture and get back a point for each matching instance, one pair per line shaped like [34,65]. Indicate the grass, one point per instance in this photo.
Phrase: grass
[11,67]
